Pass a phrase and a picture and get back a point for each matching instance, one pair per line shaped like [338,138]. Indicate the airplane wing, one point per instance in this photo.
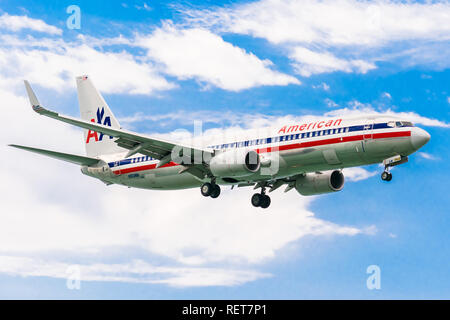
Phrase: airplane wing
[136,143]
[80,160]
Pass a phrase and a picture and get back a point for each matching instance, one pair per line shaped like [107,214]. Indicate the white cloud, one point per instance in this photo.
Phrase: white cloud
[17,23]
[392,235]
[307,63]
[330,103]
[342,22]
[359,31]
[136,271]
[360,109]
[145,7]
[386,95]
[322,86]
[199,54]
[234,123]
[427,156]
[357,174]
[206,58]
[114,72]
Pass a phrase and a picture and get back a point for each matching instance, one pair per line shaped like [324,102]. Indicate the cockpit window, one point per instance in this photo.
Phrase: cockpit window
[407,124]
[399,124]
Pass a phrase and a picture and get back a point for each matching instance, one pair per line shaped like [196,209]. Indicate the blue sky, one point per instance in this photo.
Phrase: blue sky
[160,67]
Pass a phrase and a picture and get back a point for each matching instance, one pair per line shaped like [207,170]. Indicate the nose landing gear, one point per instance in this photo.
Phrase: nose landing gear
[386,175]
[391,162]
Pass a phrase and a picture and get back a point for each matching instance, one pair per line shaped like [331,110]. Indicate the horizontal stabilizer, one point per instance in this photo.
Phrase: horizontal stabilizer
[80,160]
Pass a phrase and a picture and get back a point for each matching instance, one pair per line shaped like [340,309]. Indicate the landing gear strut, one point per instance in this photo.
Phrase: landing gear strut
[261,199]
[386,175]
[210,190]
[390,162]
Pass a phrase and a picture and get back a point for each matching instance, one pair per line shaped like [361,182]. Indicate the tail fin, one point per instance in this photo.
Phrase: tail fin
[94,108]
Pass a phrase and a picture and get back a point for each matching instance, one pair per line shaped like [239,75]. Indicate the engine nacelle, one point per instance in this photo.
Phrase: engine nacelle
[235,163]
[317,183]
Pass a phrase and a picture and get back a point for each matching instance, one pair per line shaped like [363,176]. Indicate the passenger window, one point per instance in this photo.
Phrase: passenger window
[398,124]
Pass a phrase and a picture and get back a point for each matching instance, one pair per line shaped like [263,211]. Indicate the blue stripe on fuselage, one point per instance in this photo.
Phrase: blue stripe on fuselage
[281,138]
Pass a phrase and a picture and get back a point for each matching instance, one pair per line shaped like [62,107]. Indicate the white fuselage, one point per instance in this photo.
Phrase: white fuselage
[291,150]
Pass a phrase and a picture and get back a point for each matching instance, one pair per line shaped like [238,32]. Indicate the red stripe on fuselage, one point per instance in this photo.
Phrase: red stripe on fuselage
[300,145]
[316,143]
[145,167]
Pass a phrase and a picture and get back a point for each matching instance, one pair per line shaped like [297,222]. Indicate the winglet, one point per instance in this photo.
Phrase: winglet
[33,100]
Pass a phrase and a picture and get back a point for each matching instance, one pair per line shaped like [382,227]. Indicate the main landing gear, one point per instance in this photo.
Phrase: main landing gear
[386,175]
[210,190]
[261,199]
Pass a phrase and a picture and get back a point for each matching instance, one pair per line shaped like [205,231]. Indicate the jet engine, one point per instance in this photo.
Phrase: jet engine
[320,182]
[235,163]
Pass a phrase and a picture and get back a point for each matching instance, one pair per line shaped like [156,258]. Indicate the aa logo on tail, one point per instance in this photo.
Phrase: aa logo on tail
[100,120]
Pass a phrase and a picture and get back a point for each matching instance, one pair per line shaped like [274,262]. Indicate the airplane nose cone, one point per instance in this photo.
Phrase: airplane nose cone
[419,138]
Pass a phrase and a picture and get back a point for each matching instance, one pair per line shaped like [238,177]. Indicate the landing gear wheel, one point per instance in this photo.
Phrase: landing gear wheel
[216,191]
[257,200]
[386,176]
[265,201]
[261,200]
[389,178]
[206,189]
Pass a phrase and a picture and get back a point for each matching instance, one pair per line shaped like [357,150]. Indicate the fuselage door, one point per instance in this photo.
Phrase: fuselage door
[116,167]
[368,130]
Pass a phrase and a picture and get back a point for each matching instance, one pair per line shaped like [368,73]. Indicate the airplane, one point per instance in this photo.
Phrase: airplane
[307,156]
